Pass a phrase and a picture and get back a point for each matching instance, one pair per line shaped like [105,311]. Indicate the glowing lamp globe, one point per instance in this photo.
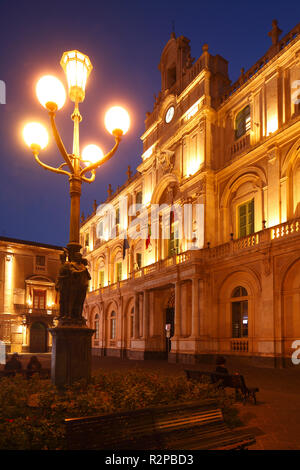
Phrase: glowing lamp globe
[117,121]
[50,92]
[35,136]
[92,154]
[77,67]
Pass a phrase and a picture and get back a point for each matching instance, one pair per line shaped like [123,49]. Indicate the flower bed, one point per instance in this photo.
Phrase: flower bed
[32,411]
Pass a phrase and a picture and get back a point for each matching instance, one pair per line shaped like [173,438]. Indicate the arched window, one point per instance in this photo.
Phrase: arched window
[96,326]
[242,122]
[239,310]
[113,325]
[239,292]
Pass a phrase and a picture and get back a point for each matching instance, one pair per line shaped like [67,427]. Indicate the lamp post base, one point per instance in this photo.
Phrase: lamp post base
[71,354]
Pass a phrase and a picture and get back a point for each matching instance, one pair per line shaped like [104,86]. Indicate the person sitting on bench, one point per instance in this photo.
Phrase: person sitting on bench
[220,365]
[14,364]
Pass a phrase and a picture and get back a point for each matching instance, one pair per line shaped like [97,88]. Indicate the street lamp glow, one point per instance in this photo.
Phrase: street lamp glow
[77,67]
[35,136]
[51,93]
[92,154]
[117,121]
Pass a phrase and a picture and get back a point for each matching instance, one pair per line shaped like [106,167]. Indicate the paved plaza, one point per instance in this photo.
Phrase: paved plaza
[275,420]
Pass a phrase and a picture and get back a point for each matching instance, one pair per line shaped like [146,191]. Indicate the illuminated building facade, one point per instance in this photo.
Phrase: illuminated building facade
[28,300]
[234,149]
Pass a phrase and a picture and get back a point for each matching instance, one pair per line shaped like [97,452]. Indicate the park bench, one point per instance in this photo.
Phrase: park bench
[190,426]
[235,381]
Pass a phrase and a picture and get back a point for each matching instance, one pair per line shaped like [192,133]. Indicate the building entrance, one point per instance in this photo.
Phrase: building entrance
[169,328]
[38,338]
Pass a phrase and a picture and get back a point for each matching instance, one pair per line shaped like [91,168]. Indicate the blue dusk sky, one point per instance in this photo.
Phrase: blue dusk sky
[124,40]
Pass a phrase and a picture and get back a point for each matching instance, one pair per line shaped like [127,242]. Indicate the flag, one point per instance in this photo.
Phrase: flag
[172,218]
[148,238]
[125,247]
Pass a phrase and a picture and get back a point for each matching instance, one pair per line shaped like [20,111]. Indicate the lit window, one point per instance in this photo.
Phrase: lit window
[246,218]
[39,299]
[40,260]
[242,122]
[87,239]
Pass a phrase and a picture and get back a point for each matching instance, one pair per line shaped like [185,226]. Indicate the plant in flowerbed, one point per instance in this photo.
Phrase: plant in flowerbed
[32,412]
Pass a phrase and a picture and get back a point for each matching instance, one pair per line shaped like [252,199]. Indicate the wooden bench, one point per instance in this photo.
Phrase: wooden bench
[235,381]
[190,426]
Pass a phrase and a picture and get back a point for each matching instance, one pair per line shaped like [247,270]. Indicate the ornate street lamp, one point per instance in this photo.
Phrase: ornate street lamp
[71,349]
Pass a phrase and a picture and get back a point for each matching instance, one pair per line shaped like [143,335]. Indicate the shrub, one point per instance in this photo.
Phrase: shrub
[32,411]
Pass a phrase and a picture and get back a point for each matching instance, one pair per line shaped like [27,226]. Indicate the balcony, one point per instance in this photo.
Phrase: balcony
[287,230]
[239,345]
[240,145]
[23,309]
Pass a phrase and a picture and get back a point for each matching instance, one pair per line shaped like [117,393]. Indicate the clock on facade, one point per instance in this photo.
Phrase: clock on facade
[170,114]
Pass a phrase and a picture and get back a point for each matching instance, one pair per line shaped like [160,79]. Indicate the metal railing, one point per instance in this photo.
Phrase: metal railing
[27,310]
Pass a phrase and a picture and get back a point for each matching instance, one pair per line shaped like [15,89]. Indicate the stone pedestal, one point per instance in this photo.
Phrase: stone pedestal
[71,354]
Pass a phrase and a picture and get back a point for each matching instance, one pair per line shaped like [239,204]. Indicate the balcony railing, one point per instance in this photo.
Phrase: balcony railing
[240,145]
[251,242]
[27,310]
[239,345]
[257,67]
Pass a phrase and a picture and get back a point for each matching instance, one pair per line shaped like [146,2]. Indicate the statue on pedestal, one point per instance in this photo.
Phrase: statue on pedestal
[72,284]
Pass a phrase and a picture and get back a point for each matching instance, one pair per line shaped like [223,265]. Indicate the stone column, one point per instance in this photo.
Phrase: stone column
[195,308]
[146,314]
[177,315]
[8,283]
[136,315]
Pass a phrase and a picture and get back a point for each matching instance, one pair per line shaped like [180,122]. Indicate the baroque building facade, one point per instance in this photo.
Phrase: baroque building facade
[233,149]
[28,299]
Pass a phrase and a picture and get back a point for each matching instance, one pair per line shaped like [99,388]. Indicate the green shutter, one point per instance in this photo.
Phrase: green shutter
[101,278]
[246,218]
[119,271]
[242,122]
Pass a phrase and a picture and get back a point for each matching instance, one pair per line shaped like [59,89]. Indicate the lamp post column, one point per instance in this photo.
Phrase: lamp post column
[75,187]
[75,193]
[71,350]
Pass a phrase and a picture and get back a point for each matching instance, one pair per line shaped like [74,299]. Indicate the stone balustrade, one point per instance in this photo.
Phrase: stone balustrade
[268,235]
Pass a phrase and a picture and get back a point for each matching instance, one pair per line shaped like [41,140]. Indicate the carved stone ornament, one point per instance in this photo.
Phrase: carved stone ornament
[267,261]
[165,161]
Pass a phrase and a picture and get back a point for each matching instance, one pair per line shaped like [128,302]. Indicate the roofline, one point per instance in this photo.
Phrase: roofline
[26,242]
